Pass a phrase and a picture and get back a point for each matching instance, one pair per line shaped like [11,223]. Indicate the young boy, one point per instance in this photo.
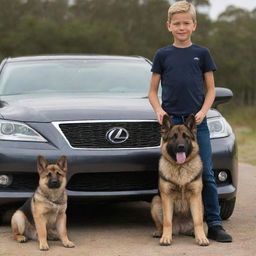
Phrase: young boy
[184,70]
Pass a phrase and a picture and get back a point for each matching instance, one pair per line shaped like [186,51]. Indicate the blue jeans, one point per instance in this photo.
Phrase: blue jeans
[209,194]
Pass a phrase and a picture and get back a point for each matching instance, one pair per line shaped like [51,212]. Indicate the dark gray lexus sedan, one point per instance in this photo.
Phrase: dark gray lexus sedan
[94,110]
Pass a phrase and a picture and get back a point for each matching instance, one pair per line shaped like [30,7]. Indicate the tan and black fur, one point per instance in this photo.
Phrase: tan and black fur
[179,207]
[43,216]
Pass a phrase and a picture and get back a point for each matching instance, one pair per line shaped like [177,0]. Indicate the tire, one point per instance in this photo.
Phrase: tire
[227,208]
[6,214]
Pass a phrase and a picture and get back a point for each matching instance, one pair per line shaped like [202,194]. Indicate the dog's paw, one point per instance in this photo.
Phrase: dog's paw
[202,241]
[69,244]
[166,240]
[22,239]
[44,247]
[157,234]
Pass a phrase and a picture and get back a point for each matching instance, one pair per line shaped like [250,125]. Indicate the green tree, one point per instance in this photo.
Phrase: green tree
[234,44]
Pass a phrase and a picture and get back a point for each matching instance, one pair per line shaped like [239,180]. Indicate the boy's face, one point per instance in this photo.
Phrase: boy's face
[181,26]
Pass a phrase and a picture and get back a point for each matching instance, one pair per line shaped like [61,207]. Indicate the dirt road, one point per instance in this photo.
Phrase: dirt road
[125,230]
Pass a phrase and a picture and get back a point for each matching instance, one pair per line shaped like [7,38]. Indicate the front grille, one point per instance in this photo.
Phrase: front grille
[114,181]
[24,182]
[93,135]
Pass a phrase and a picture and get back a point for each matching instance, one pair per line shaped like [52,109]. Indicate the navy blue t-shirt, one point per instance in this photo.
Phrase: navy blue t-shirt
[182,77]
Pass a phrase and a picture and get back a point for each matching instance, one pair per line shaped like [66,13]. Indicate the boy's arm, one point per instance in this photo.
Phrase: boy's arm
[153,97]
[209,96]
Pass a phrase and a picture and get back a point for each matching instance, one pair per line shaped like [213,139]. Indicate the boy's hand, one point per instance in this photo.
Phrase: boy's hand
[160,115]
[200,117]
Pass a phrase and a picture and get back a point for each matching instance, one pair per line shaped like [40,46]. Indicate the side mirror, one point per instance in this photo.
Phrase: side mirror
[223,95]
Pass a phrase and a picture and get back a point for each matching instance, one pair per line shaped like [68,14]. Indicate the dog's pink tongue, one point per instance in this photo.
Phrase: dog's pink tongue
[181,157]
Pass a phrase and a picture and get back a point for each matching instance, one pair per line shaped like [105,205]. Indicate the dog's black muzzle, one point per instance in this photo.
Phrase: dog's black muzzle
[181,148]
[54,183]
[172,150]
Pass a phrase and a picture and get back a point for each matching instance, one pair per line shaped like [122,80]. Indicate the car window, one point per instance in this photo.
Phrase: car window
[87,76]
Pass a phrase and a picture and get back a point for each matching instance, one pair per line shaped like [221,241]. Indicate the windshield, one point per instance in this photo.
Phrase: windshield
[85,76]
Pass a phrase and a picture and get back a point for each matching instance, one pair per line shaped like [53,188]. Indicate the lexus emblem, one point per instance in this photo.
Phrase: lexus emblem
[117,135]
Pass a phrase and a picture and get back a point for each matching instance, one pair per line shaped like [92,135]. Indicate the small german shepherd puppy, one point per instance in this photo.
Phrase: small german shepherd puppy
[179,205]
[44,214]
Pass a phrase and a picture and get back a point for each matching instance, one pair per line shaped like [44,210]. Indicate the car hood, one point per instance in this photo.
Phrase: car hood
[71,107]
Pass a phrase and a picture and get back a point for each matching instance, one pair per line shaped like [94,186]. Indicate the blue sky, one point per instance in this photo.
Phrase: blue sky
[218,6]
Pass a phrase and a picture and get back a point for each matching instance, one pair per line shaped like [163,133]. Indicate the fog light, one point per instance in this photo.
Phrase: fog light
[222,176]
[5,180]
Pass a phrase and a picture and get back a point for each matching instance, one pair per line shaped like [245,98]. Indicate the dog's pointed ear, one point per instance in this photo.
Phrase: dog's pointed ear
[166,126]
[41,164]
[63,163]
[191,123]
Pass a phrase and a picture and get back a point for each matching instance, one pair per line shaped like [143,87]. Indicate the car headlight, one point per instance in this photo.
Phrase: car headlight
[218,127]
[10,130]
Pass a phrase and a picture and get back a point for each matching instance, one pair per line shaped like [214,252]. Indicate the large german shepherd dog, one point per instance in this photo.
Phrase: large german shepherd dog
[179,207]
[43,216]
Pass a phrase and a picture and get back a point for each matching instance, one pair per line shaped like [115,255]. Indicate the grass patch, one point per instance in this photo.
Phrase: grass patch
[243,121]
[246,141]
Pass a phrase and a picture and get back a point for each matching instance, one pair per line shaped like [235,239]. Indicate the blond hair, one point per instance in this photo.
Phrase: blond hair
[182,7]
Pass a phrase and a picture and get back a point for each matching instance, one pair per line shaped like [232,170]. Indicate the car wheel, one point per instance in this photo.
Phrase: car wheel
[227,208]
[6,214]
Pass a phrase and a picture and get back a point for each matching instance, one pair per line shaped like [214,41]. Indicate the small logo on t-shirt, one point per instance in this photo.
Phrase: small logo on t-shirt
[196,58]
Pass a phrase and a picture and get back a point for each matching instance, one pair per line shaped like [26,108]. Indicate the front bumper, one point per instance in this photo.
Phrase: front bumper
[224,152]
[20,158]
[103,172]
